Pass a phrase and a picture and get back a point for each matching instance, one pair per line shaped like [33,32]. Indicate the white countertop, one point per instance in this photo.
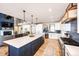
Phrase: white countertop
[19,42]
[73,50]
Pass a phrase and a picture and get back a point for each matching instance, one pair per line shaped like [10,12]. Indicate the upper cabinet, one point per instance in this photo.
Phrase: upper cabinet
[6,21]
[6,18]
[71,12]
[72,6]
[64,17]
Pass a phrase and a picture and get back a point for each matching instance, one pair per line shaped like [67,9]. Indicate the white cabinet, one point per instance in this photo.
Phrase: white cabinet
[71,50]
[54,36]
[67,52]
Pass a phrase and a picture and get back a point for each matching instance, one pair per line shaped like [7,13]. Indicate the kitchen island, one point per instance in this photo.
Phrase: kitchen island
[24,46]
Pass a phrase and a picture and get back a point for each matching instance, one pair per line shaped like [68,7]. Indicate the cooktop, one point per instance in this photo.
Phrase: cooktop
[69,41]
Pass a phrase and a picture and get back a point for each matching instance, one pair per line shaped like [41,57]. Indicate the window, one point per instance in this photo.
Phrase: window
[33,28]
[57,26]
[25,28]
[39,28]
[52,28]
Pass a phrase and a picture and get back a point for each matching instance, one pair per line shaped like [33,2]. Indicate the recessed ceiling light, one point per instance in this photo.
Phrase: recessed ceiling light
[50,10]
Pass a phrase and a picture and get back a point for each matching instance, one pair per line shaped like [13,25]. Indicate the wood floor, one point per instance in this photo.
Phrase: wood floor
[4,50]
[49,48]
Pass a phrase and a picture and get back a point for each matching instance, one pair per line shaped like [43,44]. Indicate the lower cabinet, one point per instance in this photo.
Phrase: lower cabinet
[27,50]
[22,51]
[36,45]
[67,52]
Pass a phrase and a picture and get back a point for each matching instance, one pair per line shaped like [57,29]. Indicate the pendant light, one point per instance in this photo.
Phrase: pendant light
[24,16]
[31,34]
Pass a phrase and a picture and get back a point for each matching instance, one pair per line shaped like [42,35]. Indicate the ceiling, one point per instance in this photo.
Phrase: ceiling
[45,12]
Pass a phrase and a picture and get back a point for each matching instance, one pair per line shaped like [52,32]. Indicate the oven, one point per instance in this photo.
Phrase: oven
[7,33]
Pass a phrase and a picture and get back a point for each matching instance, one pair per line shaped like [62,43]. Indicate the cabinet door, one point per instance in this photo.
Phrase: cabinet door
[12,51]
[67,52]
[36,44]
[25,50]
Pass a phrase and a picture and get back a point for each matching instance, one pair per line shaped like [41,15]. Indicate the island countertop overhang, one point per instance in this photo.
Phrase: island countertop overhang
[19,42]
